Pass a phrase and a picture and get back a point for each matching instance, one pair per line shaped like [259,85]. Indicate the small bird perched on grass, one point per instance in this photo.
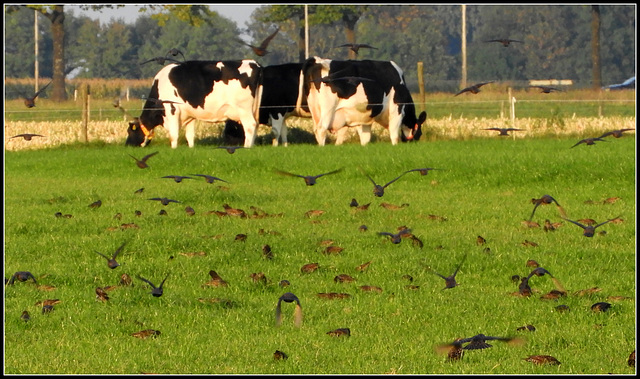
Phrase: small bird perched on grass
[474,89]
[111,262]
[288,297]
[309,179]
[156,291]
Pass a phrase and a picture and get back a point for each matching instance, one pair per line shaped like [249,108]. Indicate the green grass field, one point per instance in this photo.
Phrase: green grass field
[484,187]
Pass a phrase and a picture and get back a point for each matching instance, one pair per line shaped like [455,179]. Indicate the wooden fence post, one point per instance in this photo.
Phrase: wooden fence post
[85,114]
[421,86]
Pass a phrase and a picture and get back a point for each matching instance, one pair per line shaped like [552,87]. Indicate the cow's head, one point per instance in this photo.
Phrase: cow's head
[138,134]
[412,131]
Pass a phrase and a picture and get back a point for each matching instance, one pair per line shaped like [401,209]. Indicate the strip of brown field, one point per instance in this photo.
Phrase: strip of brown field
[63,132]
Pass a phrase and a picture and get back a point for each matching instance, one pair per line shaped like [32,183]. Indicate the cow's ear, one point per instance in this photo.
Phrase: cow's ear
[422,118]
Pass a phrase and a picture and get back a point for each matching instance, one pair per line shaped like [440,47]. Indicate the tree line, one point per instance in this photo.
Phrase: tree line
[556,41]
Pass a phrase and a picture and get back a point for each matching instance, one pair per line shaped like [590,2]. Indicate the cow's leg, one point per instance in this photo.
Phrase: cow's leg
[249,126]
[394,128]
[341,135]
[190,132]
[283,134]
[364,131]
[172,126]
[279,130]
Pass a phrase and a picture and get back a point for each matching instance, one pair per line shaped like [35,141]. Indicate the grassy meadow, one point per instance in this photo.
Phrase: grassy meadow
[483,187]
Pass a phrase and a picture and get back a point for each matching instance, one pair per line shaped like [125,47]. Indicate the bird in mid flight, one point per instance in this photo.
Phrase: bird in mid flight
[111,262]
[357,46]
[30,101]
[308,179]
[473,89]
[450,281]
[589,141]
[545,89]
[261,50]
[289,298]
[504,41]
[27,136]
[589,230]
[156,291]
[615,133]
[378,190]
[210,179]
[142,163]
[503,131]
[161,60]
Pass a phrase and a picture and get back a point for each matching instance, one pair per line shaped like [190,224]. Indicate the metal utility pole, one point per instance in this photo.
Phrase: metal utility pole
[463,80]
[36,73]
[306,31]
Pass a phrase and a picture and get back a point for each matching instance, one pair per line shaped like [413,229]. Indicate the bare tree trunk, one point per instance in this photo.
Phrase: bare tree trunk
[595,46]
[56,16]
[350,31]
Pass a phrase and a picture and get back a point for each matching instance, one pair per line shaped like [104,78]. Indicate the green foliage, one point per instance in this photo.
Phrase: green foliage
[484,188]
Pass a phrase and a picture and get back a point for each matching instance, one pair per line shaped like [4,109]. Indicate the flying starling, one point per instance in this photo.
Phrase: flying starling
[111,262]
[288,297]
[156,291]
[473,89]
[589,230]
[142,163]
[308,179]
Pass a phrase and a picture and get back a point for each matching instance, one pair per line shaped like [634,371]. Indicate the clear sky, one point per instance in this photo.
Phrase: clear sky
[240,13]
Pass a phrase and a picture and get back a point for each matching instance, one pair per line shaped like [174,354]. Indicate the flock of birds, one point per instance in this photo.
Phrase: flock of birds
[454,350]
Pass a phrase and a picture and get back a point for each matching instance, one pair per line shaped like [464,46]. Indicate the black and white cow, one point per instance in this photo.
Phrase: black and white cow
[280,91]
[357,93]
[200,90]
